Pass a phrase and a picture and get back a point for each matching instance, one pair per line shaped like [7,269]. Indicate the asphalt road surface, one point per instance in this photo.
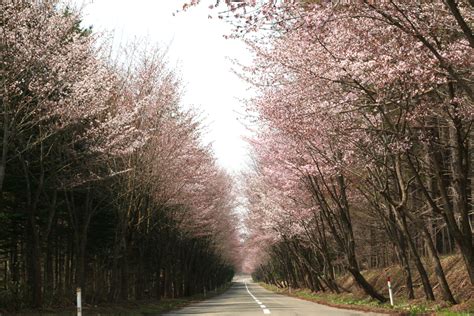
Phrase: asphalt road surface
[249,299]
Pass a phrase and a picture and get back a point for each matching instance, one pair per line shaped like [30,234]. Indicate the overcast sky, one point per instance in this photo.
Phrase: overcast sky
[201,54]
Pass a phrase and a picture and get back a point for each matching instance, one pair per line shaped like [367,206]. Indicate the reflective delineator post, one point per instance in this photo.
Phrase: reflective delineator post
[390,290]
[79,301]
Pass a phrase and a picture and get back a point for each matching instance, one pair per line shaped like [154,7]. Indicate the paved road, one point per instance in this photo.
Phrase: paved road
[249,299]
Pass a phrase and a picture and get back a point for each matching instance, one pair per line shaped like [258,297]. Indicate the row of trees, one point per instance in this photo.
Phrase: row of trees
[364,152]
[104,181]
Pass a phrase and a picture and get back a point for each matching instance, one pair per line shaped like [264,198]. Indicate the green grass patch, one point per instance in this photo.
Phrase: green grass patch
[350,301]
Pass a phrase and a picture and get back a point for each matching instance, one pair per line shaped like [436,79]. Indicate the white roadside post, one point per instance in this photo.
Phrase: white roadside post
[390,290]
[79,301]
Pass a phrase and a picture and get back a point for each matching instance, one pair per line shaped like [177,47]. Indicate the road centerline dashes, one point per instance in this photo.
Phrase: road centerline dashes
[263,307]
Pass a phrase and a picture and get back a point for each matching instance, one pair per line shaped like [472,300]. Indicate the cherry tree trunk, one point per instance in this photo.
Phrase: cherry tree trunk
[462,199]
[428,289]
[366,286]
[445,290]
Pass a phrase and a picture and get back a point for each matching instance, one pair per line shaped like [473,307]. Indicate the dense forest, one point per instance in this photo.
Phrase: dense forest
[105,183]
[363,156]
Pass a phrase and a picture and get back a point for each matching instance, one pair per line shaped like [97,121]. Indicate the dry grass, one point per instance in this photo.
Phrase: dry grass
[454,269]
[455,272]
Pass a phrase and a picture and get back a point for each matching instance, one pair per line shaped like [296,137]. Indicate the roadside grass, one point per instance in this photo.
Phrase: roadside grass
[135,308]
[350,301]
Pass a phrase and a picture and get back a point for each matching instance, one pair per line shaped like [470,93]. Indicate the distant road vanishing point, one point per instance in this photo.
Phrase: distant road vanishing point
[249,299]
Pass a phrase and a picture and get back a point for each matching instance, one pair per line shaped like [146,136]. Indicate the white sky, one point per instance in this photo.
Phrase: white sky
[200,52]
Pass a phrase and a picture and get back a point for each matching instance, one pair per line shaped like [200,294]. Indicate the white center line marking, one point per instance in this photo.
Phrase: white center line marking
[263,307]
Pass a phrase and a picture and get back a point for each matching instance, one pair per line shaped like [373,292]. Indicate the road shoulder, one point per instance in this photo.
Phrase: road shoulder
[348,302]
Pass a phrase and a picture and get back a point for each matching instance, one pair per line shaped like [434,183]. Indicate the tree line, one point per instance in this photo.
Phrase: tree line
[105,183]
[363,156]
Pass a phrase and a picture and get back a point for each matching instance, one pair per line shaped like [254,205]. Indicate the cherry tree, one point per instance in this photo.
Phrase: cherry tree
[334,73]
[103,174]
